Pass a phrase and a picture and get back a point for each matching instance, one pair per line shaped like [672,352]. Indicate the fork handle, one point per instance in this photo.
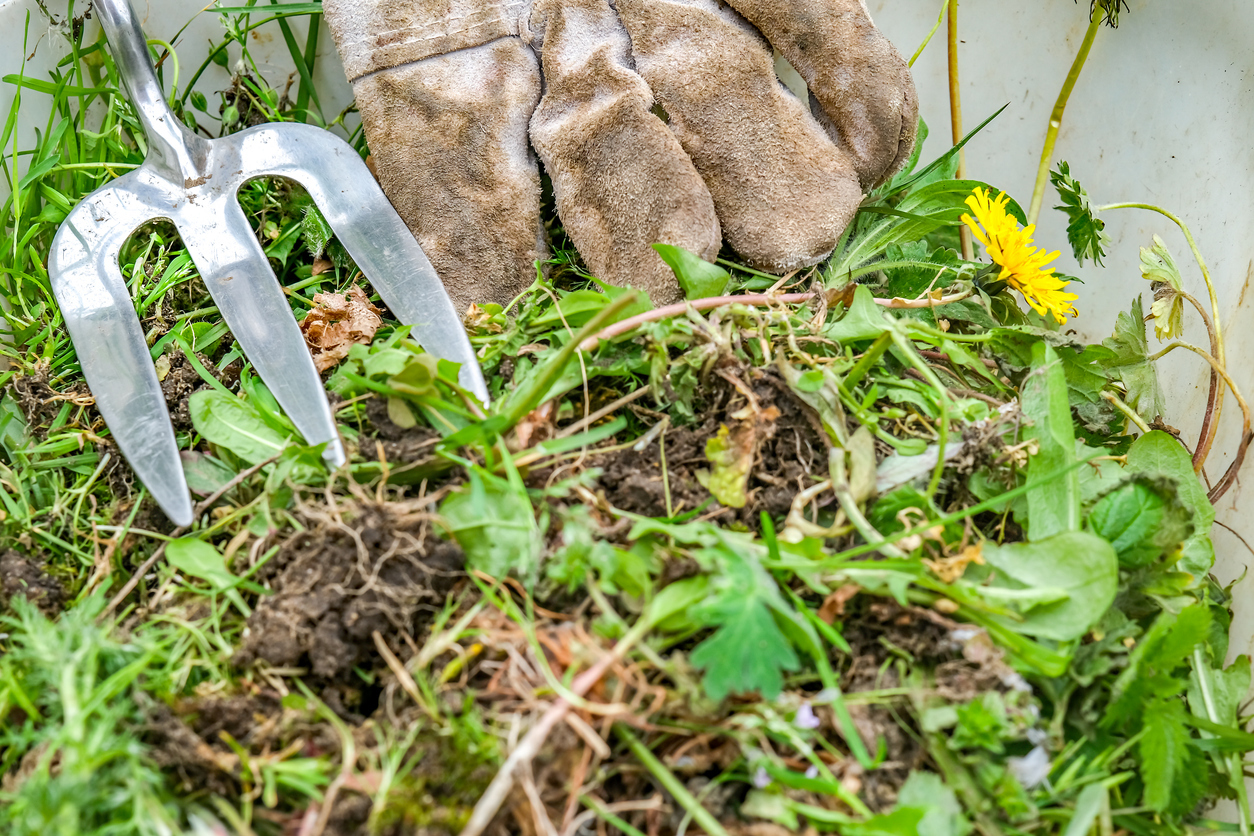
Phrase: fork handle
[166,137]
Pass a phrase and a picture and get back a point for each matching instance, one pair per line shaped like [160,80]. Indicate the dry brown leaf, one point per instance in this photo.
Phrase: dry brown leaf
[951,568]
[337,323]
[833,608]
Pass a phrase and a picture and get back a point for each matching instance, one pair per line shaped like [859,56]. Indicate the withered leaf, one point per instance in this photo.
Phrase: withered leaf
[336,323]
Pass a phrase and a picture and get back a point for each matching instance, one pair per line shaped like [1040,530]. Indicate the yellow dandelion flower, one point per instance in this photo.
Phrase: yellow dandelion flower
[1023,266]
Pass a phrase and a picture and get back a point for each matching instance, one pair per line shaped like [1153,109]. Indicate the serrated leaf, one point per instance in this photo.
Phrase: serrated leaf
[1175,773]
[933,269]
[1085,231]
[747,653]
[1158,265]
[236,425]
[698,277]
[1151,672]
[316,231]
[1168,313]
[1085,368]
[1130,362]
[1143,519]
[1158,454]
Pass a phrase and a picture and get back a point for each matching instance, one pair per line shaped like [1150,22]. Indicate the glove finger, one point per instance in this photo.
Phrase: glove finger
[866,95]
[621,180]
[448,133]
[784,191]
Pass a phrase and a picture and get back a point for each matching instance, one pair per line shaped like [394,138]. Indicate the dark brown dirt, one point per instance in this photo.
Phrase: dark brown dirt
[790,448]
[41,403]
[353,572]
[182,381]
[24,575]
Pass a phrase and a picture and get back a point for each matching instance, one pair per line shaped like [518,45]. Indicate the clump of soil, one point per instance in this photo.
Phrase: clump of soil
[41,403]
[24,575]
[790,449]
[355,570]
[182,381]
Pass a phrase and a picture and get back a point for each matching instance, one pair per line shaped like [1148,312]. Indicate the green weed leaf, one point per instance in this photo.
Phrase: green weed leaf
[1081,565]
[731,455]
[1158,266]
[904,821]
[1130,362]
[1086,231]
[1174,772]
[747,653]
[235,425]
[864,320]
[1053,507]
[1143,520]
[494,523]
[943,814]
[698,277]
[1158,454]
[200,560]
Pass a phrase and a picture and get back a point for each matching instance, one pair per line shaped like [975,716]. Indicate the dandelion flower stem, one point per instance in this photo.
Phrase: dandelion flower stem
[1055,118]
[955,118]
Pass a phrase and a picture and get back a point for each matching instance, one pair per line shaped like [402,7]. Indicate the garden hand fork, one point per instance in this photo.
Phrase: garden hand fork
[193,182]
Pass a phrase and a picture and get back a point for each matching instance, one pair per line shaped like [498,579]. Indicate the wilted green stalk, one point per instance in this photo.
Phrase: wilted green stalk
[1055,117]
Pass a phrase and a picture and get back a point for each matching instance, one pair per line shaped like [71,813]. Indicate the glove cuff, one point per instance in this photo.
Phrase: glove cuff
[379,35]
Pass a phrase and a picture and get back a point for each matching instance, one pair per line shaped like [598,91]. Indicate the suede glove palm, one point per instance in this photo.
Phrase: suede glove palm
[455,94]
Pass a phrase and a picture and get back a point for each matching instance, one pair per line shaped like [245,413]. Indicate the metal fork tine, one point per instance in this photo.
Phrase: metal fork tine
[194,182]
[374,235]
[237,273]
[116,361]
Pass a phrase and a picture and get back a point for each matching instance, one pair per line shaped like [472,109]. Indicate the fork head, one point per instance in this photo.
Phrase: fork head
[194,183]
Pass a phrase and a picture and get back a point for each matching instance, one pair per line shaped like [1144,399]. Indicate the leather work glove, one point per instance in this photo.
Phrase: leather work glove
[454,94]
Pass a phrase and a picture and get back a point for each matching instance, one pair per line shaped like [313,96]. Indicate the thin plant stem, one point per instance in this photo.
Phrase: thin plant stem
[955,119]
[1233,759]
[756,300]
[1205,436]
[1230,475]
[907,348]
[939,20]
[670,783]
[1217,334]
[1055,118]
[1128,412]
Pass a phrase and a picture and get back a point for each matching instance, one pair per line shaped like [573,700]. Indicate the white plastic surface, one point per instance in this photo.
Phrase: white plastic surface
[1164,114]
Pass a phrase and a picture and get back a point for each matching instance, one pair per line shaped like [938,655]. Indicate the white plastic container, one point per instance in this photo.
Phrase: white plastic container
[1163,114]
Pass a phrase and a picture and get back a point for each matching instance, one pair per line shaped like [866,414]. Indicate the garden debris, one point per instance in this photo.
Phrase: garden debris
[336,323]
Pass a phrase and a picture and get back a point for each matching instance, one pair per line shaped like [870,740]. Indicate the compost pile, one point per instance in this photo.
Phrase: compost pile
[867,549]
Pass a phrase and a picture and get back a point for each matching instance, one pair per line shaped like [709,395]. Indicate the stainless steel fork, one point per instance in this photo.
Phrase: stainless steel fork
[194,182]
